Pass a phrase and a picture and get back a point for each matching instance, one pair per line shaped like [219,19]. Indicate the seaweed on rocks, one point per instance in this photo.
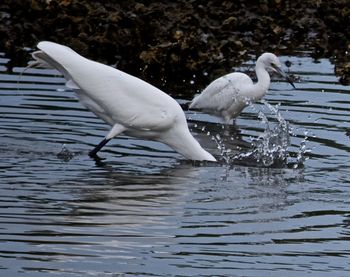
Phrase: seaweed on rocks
[181,39]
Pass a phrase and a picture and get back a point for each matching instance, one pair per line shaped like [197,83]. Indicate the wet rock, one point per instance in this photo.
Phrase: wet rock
[178,39]
[343,71]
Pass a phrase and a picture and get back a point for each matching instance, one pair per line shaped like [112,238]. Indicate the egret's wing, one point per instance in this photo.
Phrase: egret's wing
[133,102]
[222,93]
[127,100]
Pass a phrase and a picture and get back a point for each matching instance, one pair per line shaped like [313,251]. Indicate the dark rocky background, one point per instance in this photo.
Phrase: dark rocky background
[174,40]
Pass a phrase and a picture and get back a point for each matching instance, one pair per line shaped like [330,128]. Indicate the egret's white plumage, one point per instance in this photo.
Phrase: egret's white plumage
[129,104]
[228,95]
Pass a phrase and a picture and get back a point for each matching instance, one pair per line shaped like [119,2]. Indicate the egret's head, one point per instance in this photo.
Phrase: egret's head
[271,62]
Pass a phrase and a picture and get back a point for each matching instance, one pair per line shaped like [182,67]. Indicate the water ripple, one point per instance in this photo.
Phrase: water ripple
[144,211]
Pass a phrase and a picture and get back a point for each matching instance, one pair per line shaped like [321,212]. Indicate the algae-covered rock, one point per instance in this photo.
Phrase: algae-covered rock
[177,38]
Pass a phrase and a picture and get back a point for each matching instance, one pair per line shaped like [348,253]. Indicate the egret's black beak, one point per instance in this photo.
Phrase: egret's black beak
[283,74]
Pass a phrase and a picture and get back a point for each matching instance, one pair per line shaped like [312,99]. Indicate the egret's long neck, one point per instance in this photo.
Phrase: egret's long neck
[185,144]
[193,151]
[263,83]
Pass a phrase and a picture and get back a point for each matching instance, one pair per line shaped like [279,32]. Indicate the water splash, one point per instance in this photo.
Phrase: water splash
[224,152]
[302,153]
[270,149]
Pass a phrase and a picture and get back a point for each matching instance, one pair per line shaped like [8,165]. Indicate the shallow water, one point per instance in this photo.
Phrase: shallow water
[144,211]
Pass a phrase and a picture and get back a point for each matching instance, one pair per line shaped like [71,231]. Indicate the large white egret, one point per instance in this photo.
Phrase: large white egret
[228,95]
[129,104]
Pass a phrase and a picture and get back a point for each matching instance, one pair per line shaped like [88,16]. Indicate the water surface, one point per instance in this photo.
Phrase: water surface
[145,211]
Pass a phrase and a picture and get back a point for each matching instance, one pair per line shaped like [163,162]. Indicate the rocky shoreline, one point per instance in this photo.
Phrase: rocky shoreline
[181,39]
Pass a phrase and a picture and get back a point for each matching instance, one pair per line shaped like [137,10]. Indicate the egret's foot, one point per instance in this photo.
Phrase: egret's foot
[98,160]
[93,152]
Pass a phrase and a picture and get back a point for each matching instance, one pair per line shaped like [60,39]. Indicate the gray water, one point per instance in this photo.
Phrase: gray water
[145,211]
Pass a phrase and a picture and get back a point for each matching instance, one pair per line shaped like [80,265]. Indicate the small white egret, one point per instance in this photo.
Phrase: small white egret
[130,105]
[228,95]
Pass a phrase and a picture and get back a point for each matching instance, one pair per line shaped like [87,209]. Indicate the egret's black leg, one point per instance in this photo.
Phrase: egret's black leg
[98,147]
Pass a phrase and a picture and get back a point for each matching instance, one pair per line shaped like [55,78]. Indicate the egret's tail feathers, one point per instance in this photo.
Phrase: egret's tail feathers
[37,62]
[43,60]
[40,60]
